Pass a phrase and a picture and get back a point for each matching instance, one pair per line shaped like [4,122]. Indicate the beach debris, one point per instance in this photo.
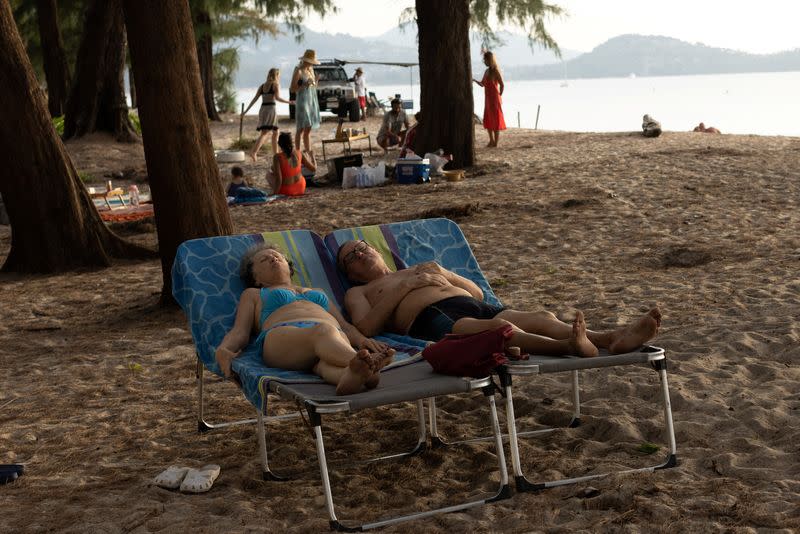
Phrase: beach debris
[647,448]
[685,257]
[200,480]
[171,477]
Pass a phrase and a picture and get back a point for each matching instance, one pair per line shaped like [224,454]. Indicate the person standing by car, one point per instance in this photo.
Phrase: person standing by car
[304,85]
[360,84]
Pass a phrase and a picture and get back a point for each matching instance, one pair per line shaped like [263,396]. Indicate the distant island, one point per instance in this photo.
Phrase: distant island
[643,55]
[625,55]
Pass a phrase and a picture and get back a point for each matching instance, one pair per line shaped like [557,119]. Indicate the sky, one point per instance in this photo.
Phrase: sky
[761,27]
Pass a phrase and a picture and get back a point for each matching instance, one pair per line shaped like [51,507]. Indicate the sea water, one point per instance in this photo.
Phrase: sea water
[752,103]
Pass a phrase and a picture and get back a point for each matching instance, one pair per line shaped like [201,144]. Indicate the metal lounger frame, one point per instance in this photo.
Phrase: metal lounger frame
[315,409]
[654,356]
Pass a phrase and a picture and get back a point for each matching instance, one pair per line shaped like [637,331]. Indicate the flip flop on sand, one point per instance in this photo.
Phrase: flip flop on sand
[172,477]
[200,480]
[10,472]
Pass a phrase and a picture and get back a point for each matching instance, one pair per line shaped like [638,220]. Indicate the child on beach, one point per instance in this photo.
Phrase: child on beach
[238,181]
[270,92]
[493,86]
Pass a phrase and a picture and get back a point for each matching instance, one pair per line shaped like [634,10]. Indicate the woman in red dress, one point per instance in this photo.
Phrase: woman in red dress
[493,86]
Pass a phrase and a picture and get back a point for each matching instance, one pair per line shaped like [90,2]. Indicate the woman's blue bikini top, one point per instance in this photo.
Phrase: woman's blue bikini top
[272,299]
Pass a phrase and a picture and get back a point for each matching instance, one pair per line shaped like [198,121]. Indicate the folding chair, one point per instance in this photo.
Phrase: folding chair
[206,284]
[441,240]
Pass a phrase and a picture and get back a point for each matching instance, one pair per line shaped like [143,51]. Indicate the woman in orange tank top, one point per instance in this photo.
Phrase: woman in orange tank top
[287,176]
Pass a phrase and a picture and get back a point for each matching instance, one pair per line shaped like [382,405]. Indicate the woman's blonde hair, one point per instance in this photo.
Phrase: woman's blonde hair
[273,75]
[491,62]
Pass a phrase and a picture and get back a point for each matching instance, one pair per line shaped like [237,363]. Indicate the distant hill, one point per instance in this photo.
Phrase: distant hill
[256,58]
[657,56]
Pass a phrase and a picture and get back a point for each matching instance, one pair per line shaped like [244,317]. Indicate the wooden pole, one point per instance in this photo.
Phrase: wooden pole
[518,123]
[538,108]
[241,120]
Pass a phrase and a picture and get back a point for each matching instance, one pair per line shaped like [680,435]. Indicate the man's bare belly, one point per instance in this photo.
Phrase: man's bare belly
[419,299]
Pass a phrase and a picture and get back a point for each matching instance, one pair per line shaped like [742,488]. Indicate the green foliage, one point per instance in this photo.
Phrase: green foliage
[85,177]
[647,448]
[246,144]
[137,124]
[226,62]
[527,14]
[58,124]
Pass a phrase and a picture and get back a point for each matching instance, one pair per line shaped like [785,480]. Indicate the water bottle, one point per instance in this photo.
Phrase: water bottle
[133,193]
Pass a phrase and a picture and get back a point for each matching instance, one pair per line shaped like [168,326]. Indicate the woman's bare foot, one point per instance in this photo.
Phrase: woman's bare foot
[253,155]
[379,361]
[578,342]
[636,334]
[358,371]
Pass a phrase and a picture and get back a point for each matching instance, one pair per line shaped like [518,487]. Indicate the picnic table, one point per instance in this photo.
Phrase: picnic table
[347,143]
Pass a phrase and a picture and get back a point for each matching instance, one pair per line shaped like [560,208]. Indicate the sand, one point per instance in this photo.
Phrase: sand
[97,394]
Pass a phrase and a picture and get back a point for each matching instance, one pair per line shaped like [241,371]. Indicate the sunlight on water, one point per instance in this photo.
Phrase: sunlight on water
[761,104]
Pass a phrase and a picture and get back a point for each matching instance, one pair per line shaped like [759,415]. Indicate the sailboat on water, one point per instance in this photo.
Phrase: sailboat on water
[564,82]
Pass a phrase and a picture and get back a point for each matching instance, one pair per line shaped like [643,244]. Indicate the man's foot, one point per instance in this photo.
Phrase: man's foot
[379,361]
[578,342]
[635,335]
[358,371]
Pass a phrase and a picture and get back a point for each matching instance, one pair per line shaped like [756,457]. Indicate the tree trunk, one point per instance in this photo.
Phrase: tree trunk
[445,78]
[97,100]
[55,60]
[184,179]
[54,224]
[205,57]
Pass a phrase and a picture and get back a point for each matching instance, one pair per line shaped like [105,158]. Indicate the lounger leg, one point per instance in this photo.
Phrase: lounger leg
[505,490]
[523,484]
[436,441]
[672,460]
[576,401]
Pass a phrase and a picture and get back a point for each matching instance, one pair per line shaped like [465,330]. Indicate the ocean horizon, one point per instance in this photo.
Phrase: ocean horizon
[749,103]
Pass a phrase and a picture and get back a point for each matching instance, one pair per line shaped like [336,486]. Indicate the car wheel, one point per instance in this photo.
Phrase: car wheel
[355,111]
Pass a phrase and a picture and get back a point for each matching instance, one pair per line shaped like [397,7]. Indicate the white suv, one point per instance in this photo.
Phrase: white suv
[335,91]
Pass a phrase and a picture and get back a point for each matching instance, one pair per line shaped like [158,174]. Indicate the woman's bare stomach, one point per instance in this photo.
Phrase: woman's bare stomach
[419,299]
[299,311]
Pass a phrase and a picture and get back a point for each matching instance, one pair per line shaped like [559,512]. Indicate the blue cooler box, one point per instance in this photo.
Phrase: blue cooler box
[413,171]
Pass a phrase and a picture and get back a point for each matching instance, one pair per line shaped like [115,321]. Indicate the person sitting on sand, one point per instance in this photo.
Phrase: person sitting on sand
[427,302]
[298,329]
[650,127]
[702,128]
[391,132]
[286,176]
[238,181]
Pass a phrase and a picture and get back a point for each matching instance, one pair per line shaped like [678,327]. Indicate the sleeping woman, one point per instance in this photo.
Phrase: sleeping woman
[298,329]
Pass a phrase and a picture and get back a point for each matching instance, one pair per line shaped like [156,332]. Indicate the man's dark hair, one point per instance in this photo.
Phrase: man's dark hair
[397,101]
[237,171]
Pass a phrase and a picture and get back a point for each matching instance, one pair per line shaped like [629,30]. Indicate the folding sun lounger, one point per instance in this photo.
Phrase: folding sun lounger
[206,284]
[441,240]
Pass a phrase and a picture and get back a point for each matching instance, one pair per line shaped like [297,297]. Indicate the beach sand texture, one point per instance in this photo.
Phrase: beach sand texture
[97,394]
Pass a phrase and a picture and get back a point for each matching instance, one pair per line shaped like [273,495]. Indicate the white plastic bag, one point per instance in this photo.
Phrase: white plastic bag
[364,176]
[437,162]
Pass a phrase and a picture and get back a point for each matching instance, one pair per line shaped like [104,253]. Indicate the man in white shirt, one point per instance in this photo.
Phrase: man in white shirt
[360,84]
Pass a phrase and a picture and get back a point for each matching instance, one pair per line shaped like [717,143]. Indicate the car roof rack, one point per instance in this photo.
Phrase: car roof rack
[331,61]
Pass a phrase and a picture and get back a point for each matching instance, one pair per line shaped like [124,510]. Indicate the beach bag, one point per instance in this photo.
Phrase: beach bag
[472,355]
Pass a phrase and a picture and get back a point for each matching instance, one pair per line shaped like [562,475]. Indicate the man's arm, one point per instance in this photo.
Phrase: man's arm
[455,279]
[371,319]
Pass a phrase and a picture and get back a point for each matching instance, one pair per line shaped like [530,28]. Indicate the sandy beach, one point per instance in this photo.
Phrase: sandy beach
[97,394]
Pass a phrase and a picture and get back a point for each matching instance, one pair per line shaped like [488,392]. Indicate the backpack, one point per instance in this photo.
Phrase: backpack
[473,355]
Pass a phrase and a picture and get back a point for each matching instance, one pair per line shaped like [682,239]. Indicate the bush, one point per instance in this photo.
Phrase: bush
[137,125]
[58,124]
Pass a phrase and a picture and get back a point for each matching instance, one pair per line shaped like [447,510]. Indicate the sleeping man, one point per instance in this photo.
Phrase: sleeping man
[427,301]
